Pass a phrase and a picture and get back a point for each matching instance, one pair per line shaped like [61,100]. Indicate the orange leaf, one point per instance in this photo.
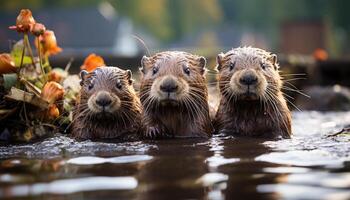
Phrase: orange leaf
[52,92]
[53,112]
[92,62]
[48,43]
[7,65]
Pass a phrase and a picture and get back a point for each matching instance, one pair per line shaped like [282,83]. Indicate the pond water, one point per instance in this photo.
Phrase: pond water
[308,166]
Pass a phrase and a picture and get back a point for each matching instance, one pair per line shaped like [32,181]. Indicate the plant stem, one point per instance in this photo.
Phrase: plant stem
[40,61]
[47,63]
[26,42]
[23,52]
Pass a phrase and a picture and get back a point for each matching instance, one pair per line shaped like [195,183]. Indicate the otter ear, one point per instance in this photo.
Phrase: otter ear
[273,60]
[83,73]
[144,62]
[129,76]
[219,59]
[202,64]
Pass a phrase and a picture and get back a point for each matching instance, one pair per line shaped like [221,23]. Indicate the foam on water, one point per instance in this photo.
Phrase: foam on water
[61,145]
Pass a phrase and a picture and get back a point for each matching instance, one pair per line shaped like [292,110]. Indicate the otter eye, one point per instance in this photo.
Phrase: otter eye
[118,84]
[90,86]
[187,70]
[154,70]
[232,65]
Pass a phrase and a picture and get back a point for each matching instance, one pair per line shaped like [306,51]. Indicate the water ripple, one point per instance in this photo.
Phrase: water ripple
[60,145]
[91,160]
[303,158]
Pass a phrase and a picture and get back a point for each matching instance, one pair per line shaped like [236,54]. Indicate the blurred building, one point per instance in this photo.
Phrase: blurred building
[302,37]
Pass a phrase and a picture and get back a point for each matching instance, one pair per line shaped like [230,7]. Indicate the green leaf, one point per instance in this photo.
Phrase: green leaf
[26,60]
[9,80]
[16,54]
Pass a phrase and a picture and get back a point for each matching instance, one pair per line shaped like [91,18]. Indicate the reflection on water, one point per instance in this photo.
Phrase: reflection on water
[308,166]
[67,186]
[302,158]
[90,160]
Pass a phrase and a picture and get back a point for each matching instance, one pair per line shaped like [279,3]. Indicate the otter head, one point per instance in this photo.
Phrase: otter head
[106,91]
[248,74]
[171,78]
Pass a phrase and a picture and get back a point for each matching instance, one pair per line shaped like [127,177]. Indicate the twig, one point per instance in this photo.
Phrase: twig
[25,110]
[344,130]
[66,69]
[49,125]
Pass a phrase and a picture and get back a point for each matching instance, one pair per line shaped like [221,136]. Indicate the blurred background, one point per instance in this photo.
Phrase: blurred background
[309,36]
[287,26]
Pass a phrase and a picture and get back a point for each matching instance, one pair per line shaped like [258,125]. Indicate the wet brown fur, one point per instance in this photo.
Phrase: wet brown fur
[123,123]
[187,118]
[267,115]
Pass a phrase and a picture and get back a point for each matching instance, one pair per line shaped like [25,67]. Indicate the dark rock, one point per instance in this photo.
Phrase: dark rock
[329,98]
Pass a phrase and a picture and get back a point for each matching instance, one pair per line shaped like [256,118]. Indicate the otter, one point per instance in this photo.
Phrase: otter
[174,96]
[108,106]
[252,103]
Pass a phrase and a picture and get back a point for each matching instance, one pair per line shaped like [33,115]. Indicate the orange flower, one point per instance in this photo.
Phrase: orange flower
[52,92]
[320,54]
[92,62]
[48,43]
[38,29]
[7,65]
[55,76]
[24,22]
[53,112]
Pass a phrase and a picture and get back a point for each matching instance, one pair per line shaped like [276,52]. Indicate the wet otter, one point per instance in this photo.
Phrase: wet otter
[174,96]
[108,106]
[252,103]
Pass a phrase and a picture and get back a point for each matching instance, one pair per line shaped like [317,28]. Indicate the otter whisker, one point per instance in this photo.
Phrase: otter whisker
[293,79]
[279,113]
[188,107]
[273,105]
[288,96]
[290,84]
[297,91]
[300,74]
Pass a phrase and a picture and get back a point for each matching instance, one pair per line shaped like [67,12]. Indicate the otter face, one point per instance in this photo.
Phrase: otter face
[169,78]
[106,90]
[169,89]
[247,74]
[104,101]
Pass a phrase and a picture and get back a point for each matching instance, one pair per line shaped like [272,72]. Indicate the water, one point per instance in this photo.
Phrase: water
[309,166]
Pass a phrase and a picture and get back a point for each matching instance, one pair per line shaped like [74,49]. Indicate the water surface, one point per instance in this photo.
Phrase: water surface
[308,166]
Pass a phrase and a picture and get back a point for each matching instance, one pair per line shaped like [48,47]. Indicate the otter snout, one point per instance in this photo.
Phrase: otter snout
[103,99]
[169,88]
[248,84]
[169,85]
[248,79]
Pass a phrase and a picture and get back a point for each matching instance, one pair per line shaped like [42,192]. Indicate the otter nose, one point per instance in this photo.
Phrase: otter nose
[169,85]
[103,100]
[248,79]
